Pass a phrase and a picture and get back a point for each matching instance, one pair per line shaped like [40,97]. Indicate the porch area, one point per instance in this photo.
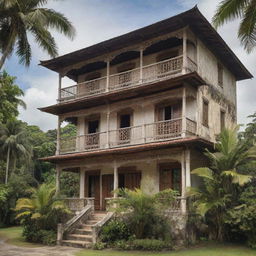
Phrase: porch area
[151,172]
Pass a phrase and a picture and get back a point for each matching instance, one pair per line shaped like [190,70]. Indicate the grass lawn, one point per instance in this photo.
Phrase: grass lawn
[12,235]
[204,250]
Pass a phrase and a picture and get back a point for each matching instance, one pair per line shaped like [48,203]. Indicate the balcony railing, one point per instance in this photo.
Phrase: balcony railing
[134,135]
[150,73]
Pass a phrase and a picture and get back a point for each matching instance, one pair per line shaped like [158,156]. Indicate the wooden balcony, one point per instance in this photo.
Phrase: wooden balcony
[135,135]
[133,78]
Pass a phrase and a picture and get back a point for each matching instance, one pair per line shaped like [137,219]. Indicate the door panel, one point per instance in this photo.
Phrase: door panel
[94,189]
[132,180]
[107,188]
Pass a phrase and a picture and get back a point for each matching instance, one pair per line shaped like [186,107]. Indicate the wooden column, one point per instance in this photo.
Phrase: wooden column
[184,69]
[187,165]
[183,183]
[82,183]
[108,74]
[58,137]
[141,65]
[108,126]
[59,88]
[115,178]
[184,121]
[58,171]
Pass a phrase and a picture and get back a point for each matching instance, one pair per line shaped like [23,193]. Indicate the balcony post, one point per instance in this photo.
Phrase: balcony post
[184,51]
[59,89]
[108,126]
[183,183]
[187,163]
[184,123]
[58,137]
[58,172]
[115,178]
[82,183]
[108,74]
[141,64]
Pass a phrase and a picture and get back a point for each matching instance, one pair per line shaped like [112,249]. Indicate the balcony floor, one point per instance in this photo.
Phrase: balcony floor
[194,140]
[141,90]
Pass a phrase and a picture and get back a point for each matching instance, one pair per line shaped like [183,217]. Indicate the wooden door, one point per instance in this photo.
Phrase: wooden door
[94,189]
[170,177]
[132,180]
[107,188]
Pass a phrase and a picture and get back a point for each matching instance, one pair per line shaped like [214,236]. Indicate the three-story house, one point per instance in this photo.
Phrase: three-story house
[145,105]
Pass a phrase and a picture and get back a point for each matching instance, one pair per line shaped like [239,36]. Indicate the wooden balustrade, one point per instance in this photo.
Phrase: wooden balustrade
[150,73]
[134,135]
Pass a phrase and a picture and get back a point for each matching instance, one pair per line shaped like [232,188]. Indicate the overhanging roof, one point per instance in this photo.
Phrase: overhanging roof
[192,18]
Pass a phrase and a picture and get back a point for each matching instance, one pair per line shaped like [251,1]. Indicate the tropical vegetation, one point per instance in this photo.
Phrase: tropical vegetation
[245,10]
[20,17]
[227,189]
[40,213]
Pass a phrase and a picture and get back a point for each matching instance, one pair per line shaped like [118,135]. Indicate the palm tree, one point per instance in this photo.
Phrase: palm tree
[222,180]
[14,142]
[245,10]
[18,17]
[42,206]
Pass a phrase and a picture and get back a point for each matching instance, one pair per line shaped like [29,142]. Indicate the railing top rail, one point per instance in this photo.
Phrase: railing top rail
[192,60]
[127,71]
[67,87]
[156,63]
[93,80]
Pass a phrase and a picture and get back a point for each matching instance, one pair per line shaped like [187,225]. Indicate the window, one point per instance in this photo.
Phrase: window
[205,120]
[220,75]
[222,120]
[93,126]
[125,121]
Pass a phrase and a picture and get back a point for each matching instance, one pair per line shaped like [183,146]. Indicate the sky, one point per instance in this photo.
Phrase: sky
[98,20]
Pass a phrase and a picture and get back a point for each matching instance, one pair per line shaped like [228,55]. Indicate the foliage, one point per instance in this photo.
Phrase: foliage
[10,94]
[17,187]
[245,10]
[115,230]
[20,17]
[15,144]
[241,219]
[43,211]
[221,182]
[143,245]
[99,246]
[143,214]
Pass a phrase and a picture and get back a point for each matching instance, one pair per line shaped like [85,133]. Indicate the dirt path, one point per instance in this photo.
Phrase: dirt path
[13,250]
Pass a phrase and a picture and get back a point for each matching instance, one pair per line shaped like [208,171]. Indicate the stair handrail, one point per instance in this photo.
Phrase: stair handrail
[97,227]
[62,228]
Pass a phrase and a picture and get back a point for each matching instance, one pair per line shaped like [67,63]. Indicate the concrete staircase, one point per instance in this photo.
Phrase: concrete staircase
[82,235]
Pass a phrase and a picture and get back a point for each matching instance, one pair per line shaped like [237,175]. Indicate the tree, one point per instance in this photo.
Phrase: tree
[14,142]
[245,10]
[18,17]
[41,213]
[9,97]
[221,181]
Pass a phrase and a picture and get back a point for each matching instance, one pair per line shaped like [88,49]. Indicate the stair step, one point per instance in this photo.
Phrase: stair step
[79,237]
[92,222]
[83,231]
[86,226]
[76,243]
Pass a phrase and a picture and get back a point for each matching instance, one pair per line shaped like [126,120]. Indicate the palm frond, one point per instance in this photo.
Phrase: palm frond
[228,10]
[203,172]
[247,29]
[238,178]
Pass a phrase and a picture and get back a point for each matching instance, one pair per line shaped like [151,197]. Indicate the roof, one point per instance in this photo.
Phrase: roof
[195,140]
[192,18]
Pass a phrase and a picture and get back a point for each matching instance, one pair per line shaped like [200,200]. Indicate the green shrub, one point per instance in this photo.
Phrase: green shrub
[99,246]
[47,237]
[115,230]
